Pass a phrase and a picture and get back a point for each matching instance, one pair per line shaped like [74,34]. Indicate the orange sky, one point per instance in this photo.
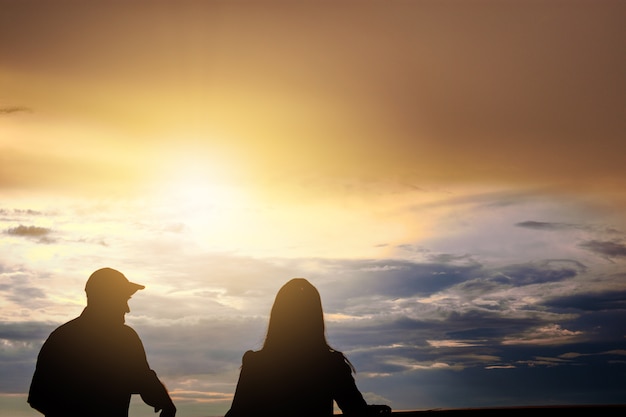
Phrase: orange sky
[376,95]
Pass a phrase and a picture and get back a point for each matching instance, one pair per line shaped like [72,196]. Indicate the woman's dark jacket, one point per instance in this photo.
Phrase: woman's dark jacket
[300,384]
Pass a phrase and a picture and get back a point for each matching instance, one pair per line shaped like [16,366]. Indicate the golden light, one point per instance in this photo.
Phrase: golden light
[192,187]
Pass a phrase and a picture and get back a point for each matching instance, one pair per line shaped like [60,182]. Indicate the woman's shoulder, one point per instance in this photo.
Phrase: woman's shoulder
[250,355]
[336,353]
[257,358]
[329,356]
[336,356]
[338,359]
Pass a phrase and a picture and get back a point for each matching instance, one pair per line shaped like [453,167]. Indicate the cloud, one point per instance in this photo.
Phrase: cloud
[397,346]
[23,295]
[610,249]
[486,327]
[601,301]
[530,224]
[198,325]
[40,233]
[25,332]
[28,231]
[395,278]
[200,396]
[452,343]
[7,212]
[19,288]
[573,355]
[538,273]
[559,226]
[545,335]
[19,346]
[508,288]
[14,109]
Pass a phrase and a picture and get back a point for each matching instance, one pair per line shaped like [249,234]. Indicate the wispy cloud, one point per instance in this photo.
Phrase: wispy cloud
[41,234]
[19,289]
[610,249]
[14,109]
[25,332]
[531,224]
[598,301]
[200,396]
[536,273]
[6,212]
[546,335]
[452,343]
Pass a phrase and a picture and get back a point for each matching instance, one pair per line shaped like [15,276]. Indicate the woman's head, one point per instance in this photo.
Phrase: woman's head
[297,319]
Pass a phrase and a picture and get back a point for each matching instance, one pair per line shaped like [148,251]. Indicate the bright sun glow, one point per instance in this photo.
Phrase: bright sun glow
[193,197]
[195,194]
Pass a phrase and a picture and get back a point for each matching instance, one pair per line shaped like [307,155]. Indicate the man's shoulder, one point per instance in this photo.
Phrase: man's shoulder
[67,327]
[83,325]
[128,331]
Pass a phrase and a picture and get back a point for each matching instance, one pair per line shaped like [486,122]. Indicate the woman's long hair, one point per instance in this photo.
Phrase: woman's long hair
[297,322]
[297,319]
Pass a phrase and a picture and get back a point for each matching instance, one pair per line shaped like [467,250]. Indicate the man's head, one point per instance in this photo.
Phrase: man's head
[109,290]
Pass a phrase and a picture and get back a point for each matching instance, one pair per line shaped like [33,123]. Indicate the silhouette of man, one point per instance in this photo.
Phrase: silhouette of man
[90,366]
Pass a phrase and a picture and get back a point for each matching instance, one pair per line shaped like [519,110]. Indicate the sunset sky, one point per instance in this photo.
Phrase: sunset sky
[450,174]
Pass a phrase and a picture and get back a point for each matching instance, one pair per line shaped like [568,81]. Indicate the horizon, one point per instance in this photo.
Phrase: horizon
[448,174]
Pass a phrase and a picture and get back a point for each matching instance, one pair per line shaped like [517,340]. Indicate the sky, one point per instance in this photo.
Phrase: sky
[449,174]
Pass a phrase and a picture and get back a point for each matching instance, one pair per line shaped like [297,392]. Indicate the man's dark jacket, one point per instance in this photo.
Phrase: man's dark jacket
[90,367]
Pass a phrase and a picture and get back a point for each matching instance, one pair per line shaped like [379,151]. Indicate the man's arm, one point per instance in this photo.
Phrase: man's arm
[151,389]
[154,393]
[41,384]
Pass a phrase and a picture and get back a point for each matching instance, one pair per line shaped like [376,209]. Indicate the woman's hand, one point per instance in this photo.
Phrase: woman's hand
[376,410]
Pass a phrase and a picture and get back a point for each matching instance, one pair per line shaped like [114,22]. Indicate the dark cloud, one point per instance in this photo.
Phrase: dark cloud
[393,278]
[26,331]
[40,233]
[19,288]
[29,231]
[407,339]
[397,278]
[530,224]
[611,249]
[487,342]
[397,347]
[23,295]
[532,385]
[538,273]
[479,324]
[14,109]
[603,330]
[558,226]
[19,346]
[403,353]
[609,300]
[448,258]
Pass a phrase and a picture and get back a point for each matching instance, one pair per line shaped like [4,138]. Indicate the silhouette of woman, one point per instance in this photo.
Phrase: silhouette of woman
[297,373]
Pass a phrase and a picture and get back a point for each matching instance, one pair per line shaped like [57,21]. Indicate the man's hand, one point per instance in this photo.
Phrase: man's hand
[169,411]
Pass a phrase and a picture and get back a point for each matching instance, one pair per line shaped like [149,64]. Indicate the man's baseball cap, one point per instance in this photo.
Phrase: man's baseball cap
[108,282]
